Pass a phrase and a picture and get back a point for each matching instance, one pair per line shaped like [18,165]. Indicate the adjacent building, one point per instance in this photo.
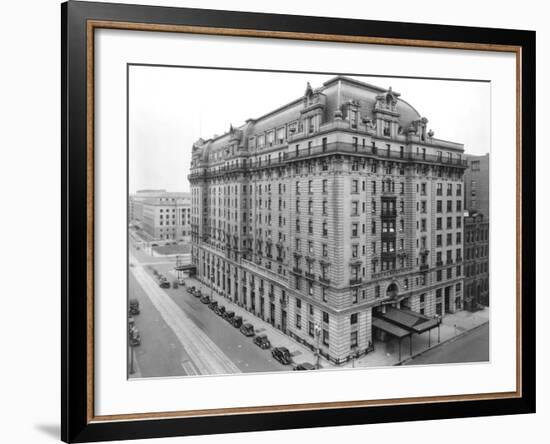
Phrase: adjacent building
[161,215]
[476,261]
[476,233]
[476,184]
[337,217]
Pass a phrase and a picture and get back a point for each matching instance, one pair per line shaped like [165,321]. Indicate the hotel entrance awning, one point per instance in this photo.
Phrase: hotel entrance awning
[409,320]
[393,330]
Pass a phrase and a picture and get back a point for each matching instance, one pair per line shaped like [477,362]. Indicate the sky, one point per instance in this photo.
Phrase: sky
[170,108]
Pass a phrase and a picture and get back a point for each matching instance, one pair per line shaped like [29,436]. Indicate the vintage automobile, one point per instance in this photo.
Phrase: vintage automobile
[213,305]
[163,283]
[220,310]
[237,321]
[247,329]
[229,315]
[134,307]
[134,337]
[205,299]
[262,342]
[282,355]
[304,366]
[197,294]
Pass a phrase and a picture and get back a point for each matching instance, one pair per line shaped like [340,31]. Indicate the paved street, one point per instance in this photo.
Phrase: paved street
[182,336]
[470,347]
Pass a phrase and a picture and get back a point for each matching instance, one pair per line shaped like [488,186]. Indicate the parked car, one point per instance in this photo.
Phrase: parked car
[131,322]
[213,305]
[220,310]
[197,294]
[134,337]
[163,283]
[304,366]
[247,329]
[282,355]
[134,307]
[237,321]
[205,299]
[229,315]
[262,342]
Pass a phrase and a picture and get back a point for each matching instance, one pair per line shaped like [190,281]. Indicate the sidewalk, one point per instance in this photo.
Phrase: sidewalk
[299,352]
[452,325]
[385,354]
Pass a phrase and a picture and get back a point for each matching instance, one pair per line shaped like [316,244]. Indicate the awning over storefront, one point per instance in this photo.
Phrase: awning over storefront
[392,329]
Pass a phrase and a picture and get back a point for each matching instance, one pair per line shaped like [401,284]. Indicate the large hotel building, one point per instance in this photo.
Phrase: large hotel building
[336,217]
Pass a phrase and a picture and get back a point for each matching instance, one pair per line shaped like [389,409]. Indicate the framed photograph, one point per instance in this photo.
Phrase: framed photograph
[275,221]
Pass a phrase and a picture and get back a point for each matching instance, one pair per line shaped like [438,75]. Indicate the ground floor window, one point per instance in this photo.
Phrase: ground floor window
[325,337]
[353,339]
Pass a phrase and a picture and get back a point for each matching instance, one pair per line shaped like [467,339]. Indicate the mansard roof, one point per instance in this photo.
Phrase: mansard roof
[338,91]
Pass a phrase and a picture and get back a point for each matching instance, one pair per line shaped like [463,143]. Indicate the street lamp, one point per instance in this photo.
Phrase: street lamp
[317,331]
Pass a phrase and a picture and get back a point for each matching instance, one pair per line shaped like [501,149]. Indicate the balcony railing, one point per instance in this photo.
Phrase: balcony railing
[310,275]
[424,266]
[297,270]
[328,149]
[324,280]
[355,281]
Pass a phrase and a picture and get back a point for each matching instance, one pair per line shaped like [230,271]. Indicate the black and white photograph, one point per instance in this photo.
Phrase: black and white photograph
[285,221]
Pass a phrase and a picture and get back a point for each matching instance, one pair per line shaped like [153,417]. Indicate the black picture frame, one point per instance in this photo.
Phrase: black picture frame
[77,425]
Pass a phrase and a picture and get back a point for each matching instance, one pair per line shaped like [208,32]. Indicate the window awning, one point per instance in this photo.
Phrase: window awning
[392,329]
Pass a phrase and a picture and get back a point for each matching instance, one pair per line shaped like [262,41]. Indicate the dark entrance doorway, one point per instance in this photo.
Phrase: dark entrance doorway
[283,321]
[447,299]
[272,313]
[391,291]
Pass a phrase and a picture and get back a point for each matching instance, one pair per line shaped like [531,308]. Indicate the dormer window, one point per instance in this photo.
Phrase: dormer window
[281,136]
[270,138]
[353,119]
[386,128]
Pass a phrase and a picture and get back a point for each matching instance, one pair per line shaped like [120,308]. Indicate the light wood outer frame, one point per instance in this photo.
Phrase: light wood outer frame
[93,24]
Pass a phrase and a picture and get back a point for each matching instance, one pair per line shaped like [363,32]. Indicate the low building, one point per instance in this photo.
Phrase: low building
[476,261]
[161,215]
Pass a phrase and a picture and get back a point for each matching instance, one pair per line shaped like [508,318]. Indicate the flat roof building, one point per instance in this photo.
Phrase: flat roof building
[162,215]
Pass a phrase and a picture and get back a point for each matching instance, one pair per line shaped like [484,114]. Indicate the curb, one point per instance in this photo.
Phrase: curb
[447,341]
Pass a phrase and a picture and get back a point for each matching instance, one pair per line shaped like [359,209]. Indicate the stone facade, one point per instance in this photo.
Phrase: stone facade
[326,209]
[164,216]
